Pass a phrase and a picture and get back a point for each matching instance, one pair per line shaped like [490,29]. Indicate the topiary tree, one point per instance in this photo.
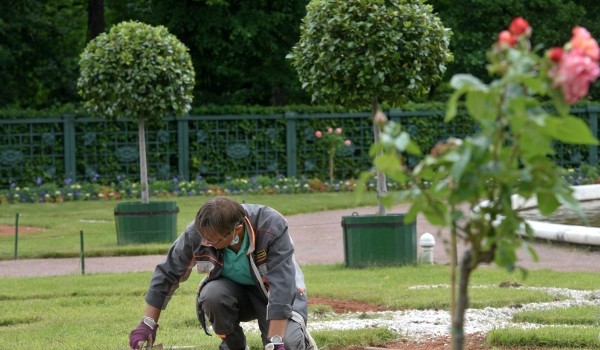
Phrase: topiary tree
[140,72]
[360,52]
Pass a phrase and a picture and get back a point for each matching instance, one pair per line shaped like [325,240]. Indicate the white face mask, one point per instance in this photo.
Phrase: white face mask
[235,240]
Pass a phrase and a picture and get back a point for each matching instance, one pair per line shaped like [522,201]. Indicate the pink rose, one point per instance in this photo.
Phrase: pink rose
[338,131]
[582,40]
[574,73]
[505,38]
[329,130]
[318,134]
[380,118]
[347,143]
[519,26]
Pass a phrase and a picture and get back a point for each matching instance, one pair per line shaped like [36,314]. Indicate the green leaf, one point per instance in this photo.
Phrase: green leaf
[401,142]
[461,164]
[535,84]
[569,129]
[436,213]
[451,106]
[413,212]
[547,202]
[468,82]
[413,148]
[480,106]
[505,255]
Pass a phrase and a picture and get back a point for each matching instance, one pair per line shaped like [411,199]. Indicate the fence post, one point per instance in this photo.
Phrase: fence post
[81,252]
[183,147]
[291,144]
[593,123]
[16,236]
[69,146]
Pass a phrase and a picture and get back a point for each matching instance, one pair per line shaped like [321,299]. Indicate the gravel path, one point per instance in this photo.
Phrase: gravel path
[423,325]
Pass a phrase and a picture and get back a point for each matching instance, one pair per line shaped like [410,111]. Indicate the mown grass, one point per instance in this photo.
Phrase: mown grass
[97,311]
[575,315]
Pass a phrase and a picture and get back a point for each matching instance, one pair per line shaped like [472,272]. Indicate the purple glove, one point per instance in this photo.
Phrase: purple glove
[274,346]
[141,334]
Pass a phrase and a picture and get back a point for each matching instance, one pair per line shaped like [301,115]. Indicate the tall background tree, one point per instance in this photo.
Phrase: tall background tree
[95,18]
[238,46]
[39,46]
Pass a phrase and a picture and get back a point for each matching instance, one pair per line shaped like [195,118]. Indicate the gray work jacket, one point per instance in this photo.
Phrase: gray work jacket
[270,254]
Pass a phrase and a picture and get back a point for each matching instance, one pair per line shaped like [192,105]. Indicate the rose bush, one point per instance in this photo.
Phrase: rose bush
[332,140]
[467,185]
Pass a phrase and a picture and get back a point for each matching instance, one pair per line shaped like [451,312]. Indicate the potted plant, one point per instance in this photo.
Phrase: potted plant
[359,53]
[467,186]
[140,72]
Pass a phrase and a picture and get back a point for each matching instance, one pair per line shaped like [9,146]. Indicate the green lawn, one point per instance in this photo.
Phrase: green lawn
[97,311]
[62,222]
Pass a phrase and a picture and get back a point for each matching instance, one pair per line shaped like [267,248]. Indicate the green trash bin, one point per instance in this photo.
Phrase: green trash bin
[381,240]
[137,222]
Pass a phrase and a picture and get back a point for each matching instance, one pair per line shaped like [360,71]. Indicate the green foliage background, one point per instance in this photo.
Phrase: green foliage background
[238,48]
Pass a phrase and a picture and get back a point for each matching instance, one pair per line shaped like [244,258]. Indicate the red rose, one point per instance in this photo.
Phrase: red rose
[555,54]
[518,26]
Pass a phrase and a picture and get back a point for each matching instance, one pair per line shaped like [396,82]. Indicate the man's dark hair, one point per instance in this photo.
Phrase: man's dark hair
[220,214]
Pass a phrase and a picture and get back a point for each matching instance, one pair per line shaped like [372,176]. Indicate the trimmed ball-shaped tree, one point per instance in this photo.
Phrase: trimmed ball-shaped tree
[140,72]
[357,53]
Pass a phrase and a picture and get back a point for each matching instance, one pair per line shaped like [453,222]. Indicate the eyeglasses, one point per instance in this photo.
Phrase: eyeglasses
[220,239]
[223,237]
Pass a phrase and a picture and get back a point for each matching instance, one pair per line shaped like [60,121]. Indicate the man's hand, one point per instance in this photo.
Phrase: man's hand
[274,346]
[143,333]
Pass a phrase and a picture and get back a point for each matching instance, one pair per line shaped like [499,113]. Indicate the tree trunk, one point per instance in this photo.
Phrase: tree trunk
[453,265]
[381,181]
[143,163]
[95,18]
[468,264]
[331,153]
[458,318]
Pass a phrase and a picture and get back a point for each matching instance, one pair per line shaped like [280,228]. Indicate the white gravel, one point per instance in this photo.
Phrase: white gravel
[425,324]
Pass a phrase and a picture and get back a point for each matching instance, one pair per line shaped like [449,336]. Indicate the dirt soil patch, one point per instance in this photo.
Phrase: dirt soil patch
[9,230]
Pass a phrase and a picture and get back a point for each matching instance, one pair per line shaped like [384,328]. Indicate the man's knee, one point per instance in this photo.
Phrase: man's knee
[294,337]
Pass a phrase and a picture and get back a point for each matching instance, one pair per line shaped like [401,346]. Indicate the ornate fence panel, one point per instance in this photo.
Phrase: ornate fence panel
[219,147]
[31,150]
[222,147]
[108,151]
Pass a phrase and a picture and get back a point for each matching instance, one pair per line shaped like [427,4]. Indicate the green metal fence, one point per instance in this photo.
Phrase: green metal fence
[79,148]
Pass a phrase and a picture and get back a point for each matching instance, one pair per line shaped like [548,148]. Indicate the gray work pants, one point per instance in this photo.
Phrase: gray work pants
[226,304]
